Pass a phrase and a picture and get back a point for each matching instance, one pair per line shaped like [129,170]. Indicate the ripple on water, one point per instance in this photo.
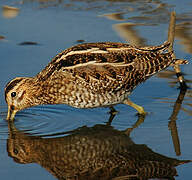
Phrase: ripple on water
[3,123]
[41,120]
[52,119]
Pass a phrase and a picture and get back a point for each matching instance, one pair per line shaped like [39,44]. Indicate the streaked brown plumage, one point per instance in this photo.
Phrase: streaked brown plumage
[91,153]
[89,75]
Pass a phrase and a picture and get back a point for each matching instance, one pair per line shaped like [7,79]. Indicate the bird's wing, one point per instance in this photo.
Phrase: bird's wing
[112,63]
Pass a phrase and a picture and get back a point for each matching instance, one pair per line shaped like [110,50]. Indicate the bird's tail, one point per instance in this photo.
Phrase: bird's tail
[183,162]
[162,61]
[179,62]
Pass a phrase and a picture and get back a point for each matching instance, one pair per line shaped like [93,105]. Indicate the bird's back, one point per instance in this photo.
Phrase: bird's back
[106,60]
[103,73]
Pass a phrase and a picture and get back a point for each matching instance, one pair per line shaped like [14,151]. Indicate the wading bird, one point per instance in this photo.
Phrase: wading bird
[90,75]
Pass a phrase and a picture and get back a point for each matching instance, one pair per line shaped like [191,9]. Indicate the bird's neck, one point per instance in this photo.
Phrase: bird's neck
[48,92]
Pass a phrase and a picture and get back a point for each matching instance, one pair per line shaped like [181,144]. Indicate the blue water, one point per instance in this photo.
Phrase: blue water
[57,25]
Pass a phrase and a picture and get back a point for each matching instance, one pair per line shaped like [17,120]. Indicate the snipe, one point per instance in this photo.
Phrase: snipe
[89,75]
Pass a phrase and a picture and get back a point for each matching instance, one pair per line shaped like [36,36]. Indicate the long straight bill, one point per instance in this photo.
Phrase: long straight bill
[11,113]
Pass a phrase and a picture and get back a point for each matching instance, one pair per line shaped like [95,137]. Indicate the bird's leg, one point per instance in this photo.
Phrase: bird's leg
[113,110]
[171,36]
[113,113]
[140,109]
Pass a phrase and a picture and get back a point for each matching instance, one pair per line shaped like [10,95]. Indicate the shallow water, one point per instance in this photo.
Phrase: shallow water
[32,35]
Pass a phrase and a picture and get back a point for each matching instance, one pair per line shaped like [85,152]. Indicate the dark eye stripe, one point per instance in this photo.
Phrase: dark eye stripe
[11,85]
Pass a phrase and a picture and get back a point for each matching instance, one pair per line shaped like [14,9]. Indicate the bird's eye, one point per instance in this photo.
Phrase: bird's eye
[15,151]
[13,94]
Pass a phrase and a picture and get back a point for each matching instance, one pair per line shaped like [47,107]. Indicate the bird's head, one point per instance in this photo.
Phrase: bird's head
[17,95]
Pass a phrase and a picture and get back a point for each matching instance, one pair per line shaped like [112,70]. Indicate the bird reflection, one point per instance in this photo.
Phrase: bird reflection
[98,152]
[184,93]
[172,122]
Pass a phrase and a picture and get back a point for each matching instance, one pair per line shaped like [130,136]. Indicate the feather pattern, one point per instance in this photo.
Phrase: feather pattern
[90,75]
[124,65]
